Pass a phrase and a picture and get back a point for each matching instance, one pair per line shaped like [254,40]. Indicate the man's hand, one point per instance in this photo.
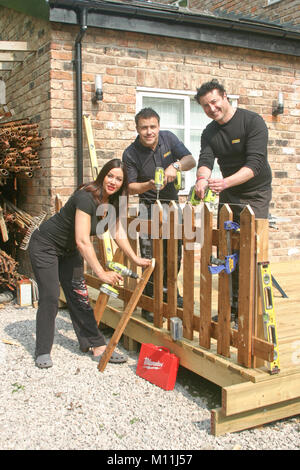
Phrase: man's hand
[170,174]
[200,188]
[217,185]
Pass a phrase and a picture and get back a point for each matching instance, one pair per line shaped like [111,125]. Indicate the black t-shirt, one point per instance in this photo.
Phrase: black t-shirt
[141,162]
[60,228]
[242,141]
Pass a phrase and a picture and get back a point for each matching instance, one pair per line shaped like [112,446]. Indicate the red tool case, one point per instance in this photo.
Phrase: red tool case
[157,365]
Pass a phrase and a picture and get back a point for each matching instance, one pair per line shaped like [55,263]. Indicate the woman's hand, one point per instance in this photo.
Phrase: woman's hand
[143,262]
[110,277]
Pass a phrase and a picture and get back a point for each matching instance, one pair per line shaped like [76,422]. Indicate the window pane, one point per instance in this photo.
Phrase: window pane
[171,111]
[178,132]
[199,120]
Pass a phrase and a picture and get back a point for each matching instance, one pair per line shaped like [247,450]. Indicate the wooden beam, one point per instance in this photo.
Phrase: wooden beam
[158,254]
[204,363]
[125,317]
[16,46]
[221,424]
[172,268]
[11,56]
[262,254]
[246,286]
[225,284]
[206,281]
[249,396]
[6,66]
[188,275]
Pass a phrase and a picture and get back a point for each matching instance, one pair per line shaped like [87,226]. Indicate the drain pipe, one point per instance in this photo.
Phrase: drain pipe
[78,78]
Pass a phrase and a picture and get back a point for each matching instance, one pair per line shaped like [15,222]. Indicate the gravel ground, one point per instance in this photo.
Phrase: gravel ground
[73,406]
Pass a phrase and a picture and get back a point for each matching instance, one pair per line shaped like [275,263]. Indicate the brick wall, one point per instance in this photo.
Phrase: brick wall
[127,61]
[282,12]
[27,89]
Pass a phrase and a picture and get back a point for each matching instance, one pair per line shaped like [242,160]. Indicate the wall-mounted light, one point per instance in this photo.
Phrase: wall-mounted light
[98,89]
[280,107]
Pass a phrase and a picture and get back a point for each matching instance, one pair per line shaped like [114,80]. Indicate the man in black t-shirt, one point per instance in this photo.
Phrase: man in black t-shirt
[238,138]
[155,148]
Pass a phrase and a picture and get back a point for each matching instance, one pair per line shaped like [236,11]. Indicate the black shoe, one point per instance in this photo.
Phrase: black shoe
[149,316]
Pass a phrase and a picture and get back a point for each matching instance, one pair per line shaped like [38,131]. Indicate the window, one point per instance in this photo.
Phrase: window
[182,115]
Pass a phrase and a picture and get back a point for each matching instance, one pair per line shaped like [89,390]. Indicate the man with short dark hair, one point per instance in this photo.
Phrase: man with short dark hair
[238,138]
[155,148]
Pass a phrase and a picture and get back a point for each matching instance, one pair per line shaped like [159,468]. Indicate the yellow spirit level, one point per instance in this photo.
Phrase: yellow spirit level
[269,321]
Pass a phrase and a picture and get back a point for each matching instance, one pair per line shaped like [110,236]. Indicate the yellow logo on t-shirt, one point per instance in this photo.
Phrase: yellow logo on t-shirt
[167,153]
[235,141]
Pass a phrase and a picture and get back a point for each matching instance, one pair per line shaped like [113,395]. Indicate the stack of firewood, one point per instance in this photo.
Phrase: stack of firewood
[19,143]
[8,272]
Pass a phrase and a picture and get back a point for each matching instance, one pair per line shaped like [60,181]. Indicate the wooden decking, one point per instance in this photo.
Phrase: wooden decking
[288,313]
[250,396]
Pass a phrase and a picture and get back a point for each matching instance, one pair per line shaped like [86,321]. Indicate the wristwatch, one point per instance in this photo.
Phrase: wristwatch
[176,165]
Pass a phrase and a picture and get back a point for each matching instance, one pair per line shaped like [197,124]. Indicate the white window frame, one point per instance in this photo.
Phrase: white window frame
[180,95]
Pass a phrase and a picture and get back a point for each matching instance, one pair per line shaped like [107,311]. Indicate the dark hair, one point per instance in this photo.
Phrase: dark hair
[95,187]
[207,87]
[146,113]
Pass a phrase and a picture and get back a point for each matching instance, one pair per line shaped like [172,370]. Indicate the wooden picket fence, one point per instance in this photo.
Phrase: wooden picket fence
[250,349]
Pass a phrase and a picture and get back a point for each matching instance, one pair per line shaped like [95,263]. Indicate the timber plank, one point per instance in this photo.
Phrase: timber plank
[206,281]
[188,275]
[172,267]
[246,286]
[224,303]
[16,46]
[249,396]
[125,317]
[221,424]
[158,273]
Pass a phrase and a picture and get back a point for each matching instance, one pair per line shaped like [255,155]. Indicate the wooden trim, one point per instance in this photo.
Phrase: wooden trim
[249,396]
[221,424]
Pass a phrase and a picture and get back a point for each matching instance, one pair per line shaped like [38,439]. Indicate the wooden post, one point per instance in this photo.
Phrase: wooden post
[206,281]
[246,286]
[158,274]
[224,305]
[172,245]
[188,272]
[262,254]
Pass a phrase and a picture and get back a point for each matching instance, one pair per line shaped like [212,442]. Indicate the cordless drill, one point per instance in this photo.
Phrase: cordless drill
[120,269]
[179,182]
[209,196]
[159,179]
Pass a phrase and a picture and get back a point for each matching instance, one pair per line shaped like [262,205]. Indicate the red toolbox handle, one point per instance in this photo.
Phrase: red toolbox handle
[162,348]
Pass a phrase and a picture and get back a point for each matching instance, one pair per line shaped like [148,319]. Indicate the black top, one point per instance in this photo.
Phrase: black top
[60,228]
[242,141]
[141,162]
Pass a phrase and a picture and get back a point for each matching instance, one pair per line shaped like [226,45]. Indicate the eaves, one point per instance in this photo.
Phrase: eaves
[170,21]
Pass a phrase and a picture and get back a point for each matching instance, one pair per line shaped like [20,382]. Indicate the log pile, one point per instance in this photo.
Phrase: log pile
[19,143]
[20,223]
[8,272]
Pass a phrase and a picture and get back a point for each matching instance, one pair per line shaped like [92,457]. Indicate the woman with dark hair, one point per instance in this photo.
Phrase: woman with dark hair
[57,250]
